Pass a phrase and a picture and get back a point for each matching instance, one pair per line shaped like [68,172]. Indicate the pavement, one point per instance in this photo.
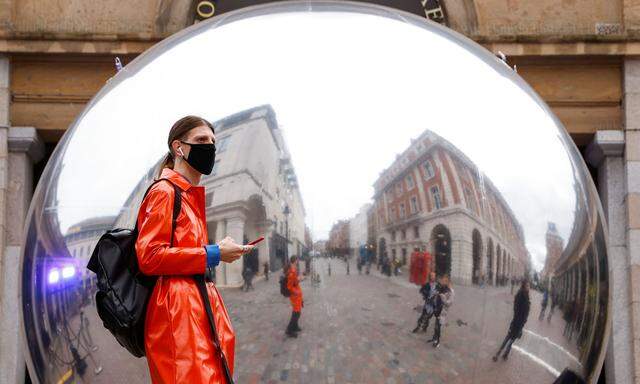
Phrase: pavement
[357,329]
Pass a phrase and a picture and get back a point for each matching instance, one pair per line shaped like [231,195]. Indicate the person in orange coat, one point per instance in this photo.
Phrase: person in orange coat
[178,339]
[295,296]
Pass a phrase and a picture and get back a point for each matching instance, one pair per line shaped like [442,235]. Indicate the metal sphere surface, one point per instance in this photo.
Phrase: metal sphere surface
[376,146]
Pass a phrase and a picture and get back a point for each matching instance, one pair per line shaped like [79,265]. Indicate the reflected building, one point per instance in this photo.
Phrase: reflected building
[555,245]
[338,243]
[434,197]
[358,229]
[576,277]
[253,191]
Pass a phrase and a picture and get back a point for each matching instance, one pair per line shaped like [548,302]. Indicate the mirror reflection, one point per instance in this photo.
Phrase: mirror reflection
[426,213]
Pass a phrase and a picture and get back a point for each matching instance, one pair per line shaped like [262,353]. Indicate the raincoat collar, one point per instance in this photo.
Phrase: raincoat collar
[176,178]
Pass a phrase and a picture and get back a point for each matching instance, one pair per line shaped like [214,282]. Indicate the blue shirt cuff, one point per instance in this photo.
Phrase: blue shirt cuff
[213,255]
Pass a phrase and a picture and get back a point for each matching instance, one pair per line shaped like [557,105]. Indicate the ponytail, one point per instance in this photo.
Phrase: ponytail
[168,162]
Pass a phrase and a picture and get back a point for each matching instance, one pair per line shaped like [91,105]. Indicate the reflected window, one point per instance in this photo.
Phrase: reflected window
[402,211]
[393,236]
[216,167]
[392,213]
[222,144]
[435,192]
[414,205]
[410,183]
[399,189]
[416,232]
[404,234]
[428,170]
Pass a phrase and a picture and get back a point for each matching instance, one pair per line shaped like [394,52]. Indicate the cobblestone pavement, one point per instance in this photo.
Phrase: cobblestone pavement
[357,329]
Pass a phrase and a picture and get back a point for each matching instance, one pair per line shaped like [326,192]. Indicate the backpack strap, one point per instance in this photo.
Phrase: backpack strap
[202,288]
[177,205]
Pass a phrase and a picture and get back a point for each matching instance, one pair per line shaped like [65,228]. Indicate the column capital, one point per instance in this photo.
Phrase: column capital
[26,139]
[609,143]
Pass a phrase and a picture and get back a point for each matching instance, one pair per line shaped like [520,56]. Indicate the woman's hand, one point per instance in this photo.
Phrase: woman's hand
[230,251]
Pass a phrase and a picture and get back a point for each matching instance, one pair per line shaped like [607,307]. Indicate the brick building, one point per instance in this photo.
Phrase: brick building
[434,197]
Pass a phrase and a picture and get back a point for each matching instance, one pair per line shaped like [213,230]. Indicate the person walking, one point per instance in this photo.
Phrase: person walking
[521,305]
[247,275]
[444,300]
[178,338]
[545,302]
[295,296]
[265,269]
[429,291]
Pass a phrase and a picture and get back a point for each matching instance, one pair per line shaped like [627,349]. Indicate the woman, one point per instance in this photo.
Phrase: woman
[178,339]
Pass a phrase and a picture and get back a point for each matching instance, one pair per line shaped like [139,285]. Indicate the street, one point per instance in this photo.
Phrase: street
[357,329]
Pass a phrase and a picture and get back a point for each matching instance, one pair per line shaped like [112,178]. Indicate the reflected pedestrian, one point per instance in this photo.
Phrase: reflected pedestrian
[265,269]
[521,305]
[545,302]
[295,297]
[444,300]
[428,291]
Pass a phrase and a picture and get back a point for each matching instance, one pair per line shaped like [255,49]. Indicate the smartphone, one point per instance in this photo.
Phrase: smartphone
[256,241]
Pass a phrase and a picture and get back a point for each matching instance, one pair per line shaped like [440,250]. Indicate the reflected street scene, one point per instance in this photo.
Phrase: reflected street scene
[416,228]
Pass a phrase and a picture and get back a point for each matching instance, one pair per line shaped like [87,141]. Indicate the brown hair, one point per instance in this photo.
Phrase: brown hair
[178,132]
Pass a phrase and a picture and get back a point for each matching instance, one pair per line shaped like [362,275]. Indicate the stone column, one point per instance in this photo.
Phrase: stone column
[235,229]
[25,149]
[605,153]
[631,100]
[11,357]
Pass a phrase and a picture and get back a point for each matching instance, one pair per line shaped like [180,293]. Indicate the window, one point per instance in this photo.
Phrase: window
[410,183]
[435,192]
[414,205]
[428,170]
[404,234]
[416,232]
[393,236]
[222,144]
[402,211]
[208,199]
[216,167]
[392,214]
[468,197]
[399,189]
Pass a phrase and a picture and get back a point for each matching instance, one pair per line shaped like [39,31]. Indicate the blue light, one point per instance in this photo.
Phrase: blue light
[68,271]
[54,276]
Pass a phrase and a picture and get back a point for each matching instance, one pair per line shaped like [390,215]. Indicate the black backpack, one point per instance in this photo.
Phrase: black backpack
[283,286]
[123,291]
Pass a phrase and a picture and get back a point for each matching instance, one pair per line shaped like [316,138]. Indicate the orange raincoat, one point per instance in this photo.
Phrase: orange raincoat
[294,288]
[178,339]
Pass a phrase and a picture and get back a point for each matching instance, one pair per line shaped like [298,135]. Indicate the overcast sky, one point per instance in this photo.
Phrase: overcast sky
[349,91]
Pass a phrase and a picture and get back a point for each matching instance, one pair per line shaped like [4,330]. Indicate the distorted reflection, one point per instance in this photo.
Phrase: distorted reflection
[445,231]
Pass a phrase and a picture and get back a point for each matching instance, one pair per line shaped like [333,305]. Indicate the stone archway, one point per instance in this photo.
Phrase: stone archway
[490,263]
[441,238]
[499,267]
[476,271]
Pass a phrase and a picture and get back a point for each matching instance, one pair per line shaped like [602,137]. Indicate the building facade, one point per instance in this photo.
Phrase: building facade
[433,197]
[358,229]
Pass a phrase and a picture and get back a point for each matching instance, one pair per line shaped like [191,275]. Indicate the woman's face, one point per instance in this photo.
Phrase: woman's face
[199,135]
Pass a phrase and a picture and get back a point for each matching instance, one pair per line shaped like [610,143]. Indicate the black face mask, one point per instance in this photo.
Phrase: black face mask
[201,157]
